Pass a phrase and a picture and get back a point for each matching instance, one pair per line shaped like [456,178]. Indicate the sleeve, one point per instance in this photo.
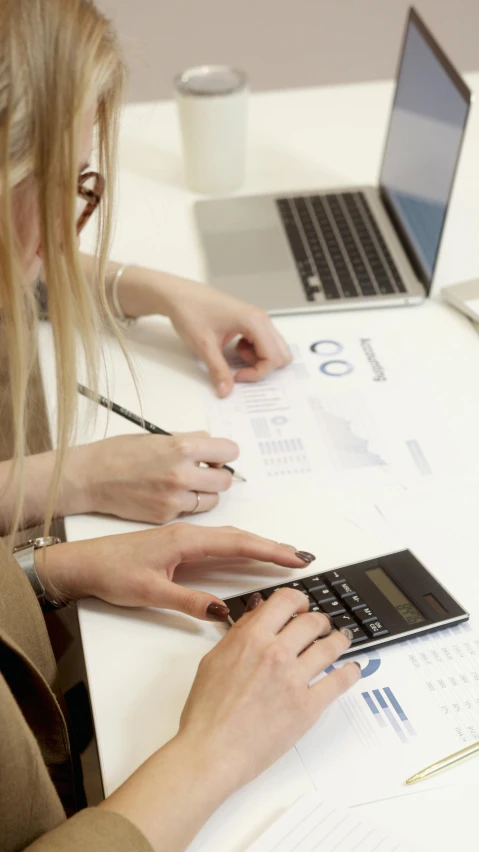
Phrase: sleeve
[93,828]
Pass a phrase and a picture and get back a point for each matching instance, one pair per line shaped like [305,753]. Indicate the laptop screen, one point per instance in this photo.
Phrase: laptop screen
[425,135]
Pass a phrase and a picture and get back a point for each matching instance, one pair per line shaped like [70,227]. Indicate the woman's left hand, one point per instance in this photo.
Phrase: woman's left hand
[137,569]
[208,320]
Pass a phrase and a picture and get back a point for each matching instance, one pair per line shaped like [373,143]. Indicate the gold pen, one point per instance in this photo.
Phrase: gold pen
[445,763]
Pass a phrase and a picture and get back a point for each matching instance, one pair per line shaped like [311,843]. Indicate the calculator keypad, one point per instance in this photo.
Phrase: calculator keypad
[331,594]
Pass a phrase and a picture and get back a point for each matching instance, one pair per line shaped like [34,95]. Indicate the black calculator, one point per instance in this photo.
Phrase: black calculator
[381,601]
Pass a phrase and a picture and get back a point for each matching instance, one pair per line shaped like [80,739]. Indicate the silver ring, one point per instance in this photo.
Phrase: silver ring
[198,501]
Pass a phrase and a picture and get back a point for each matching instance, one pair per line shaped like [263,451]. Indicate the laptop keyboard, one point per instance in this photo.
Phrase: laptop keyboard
[338,247]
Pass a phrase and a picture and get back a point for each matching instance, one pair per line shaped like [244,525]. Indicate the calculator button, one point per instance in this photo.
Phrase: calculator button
[333,577]
[312,583]
[344,590]
[375,628]
[365,615]
[355,602]
[236,607]
[313,606]
[333,607]
[298,586]
[344,621]
[358,635]
[323,595]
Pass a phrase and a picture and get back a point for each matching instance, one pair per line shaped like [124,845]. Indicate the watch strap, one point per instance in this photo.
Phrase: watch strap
[26,560]
[25,557]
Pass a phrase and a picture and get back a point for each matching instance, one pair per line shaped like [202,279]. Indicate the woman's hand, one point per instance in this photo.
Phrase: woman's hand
[208,320]
[137,569]
[251,701]
[246,720]
[149,478]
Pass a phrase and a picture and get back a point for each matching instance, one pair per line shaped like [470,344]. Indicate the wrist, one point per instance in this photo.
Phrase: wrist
[171,796]
[51,566]
[146,292]
[78,492]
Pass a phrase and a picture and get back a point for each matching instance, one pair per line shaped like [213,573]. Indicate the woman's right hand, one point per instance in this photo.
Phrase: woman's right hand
[251,700]
[149,478]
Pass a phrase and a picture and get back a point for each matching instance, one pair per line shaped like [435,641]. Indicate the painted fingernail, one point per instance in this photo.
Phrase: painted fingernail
[305,556]
[218,612]
[253,602]
[331,622]
[347,632]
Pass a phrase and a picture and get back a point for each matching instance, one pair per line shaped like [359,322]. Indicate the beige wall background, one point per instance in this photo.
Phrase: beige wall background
[281,43]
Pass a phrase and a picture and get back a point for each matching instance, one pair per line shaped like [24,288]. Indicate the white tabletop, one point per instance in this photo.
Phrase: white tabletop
[141,664]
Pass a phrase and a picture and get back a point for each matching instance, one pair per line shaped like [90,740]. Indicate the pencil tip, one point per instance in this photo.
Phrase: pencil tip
[239,477]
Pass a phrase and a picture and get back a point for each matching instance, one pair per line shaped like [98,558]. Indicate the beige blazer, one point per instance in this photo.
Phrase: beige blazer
[37,772]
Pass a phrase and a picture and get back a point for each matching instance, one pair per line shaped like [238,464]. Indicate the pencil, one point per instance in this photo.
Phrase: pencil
[445,763]
[134,418]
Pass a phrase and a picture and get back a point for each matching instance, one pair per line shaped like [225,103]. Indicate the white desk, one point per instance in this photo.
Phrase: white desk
[141,664]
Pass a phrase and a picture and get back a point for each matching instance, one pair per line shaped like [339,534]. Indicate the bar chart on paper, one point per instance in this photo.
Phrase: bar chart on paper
[411,697]
[388,713]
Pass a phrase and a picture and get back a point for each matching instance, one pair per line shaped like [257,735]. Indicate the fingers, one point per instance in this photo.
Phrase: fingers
[212,480]
[303,630]
[323,654]
[273,615]
[218,367]
[208,450]
[262,348]
[168,595]
[335,684]
[229,542]
[197,502]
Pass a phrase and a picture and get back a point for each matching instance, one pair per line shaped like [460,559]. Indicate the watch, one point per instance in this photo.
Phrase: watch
[25,556]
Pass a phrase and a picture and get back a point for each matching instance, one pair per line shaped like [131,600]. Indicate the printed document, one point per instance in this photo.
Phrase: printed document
[314,825]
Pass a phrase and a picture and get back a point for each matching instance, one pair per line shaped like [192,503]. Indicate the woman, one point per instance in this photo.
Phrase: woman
[60,74]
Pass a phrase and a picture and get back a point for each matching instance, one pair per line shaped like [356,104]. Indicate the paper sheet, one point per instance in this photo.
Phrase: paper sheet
[313,825]
[415,702]
[340,417]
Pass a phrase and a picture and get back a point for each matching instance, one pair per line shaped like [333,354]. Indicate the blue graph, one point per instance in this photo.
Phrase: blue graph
[347,448]
[388,713]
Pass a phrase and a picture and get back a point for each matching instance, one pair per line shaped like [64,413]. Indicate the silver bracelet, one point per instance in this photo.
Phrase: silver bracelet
[119,312]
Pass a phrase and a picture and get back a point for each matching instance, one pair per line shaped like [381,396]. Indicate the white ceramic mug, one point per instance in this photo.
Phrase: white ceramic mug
[212,102]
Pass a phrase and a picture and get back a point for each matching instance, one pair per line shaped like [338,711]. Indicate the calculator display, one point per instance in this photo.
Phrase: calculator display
[395,596]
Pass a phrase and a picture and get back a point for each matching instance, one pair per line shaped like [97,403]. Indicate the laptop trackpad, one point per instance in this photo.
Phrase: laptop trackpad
[247,252]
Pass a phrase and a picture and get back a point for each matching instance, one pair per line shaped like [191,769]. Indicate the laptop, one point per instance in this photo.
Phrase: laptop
[354,247]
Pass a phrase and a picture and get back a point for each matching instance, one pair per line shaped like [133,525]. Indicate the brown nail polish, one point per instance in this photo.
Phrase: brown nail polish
[347,632]
[305,556]
[331,622]
[218,612]
[253,602]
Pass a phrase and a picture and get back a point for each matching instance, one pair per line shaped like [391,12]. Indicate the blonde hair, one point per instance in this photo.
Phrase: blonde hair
[57,58]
